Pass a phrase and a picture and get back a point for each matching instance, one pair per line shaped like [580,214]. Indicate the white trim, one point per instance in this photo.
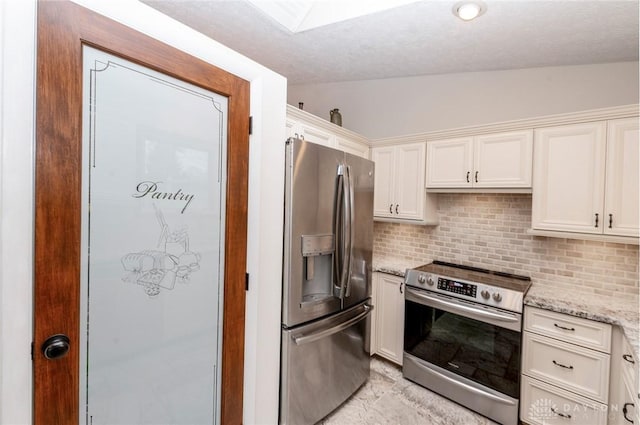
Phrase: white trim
[478,190]
[17,83]
[584,236]
[523,124]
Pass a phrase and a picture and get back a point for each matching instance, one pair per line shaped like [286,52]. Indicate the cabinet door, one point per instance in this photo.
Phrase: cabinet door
[449,163]
[352,147]
[390,317]
[503,160]
[292,128]
[409,179]
[621,187]
[316,135]
[383,200]
[568,178]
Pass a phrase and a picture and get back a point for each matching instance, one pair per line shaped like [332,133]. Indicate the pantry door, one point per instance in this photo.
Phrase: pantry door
[140,230]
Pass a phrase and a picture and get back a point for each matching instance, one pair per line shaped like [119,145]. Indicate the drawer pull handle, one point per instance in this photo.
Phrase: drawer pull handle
[563,328]
[562,415]
[561,365]
[629,358]
[624,411]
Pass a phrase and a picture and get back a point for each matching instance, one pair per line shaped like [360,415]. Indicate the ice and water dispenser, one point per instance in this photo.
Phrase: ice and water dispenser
[317,254]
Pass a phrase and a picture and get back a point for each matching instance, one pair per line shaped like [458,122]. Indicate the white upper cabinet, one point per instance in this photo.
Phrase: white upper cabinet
[621,183]
[384,188]
[491,161]
[503,160]
[586,178]
[569,178]
[352,146]
[399,193]
[450,163]
[316,130]
[314,134]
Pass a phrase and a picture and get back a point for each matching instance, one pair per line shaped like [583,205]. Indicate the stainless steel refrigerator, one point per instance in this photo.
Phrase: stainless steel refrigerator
[326,307]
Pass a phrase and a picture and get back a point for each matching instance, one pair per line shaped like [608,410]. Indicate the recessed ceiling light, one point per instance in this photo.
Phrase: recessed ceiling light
[468,10]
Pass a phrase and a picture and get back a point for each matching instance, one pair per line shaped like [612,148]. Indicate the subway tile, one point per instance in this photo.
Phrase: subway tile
[490,229]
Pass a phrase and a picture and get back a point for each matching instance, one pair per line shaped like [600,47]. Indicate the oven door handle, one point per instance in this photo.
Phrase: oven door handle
[466,386]
[413,295]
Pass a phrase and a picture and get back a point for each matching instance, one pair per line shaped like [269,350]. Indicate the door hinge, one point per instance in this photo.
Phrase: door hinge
[246,282]
[250,125]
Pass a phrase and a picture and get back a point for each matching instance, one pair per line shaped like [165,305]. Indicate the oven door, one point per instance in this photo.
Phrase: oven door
[464,351]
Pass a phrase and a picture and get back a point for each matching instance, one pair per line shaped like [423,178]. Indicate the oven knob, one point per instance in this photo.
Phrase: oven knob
[421,278]
[485,294]
[497,297]
[430,281]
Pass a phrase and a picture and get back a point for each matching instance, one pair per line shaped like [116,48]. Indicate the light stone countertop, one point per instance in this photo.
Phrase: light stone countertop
[394,266]
[621,310]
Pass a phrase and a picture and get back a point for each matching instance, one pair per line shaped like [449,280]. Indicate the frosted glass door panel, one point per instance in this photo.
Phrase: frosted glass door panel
[153,222]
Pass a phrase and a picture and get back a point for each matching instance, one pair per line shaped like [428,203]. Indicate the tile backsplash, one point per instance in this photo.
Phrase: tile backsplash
[489,230]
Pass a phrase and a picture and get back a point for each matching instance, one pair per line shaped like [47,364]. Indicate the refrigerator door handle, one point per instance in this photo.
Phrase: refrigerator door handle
[342,226]
[350,230]
[337,258]
[305,339]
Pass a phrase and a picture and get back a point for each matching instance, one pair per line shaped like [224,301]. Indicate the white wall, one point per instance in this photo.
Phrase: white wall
[268,95]
[401,106]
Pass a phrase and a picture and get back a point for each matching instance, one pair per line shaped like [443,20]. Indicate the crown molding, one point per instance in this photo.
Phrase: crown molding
[522,124]
[299,114]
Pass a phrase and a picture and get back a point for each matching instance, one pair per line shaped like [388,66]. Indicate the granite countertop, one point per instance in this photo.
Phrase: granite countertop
[621,310]
[395,266]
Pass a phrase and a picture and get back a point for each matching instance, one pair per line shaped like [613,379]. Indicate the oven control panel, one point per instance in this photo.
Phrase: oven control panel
[462,288]
[473,291]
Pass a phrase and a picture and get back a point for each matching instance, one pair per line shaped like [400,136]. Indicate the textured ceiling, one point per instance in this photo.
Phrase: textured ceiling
[422,38]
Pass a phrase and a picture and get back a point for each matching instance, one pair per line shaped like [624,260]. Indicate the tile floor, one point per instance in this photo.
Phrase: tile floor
[389,399]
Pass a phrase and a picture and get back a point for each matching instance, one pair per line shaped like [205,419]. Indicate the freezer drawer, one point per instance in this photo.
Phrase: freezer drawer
[323,363]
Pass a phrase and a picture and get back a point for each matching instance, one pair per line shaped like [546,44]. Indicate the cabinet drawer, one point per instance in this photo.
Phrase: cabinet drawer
[569,366]
[544,404]
[584,332]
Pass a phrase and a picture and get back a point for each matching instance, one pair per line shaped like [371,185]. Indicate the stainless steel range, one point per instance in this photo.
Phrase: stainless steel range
[462,336]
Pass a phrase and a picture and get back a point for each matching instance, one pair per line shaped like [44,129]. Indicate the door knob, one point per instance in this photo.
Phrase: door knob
[55,347]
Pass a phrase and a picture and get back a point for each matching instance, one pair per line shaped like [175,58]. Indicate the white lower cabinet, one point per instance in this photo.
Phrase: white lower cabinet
[388,329]
[567,366]
[565,369]
[625,391]
[544,404]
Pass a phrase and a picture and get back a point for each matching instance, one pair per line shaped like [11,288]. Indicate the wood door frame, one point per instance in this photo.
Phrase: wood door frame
[63,29]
